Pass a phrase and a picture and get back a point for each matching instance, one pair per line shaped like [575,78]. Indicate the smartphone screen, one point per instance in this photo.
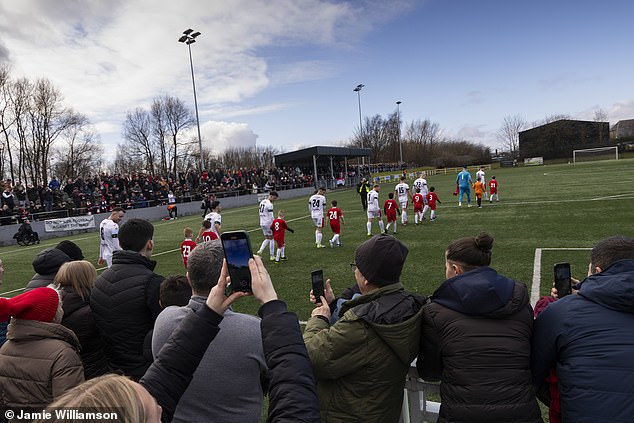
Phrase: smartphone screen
[317,277]
[238,252]
[562,279]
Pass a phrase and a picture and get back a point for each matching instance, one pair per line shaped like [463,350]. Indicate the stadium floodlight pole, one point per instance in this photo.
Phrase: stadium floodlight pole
[398,122]
[358,90]
[189,38]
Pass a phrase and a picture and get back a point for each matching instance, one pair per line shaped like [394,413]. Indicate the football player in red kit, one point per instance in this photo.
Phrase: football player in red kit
[335,217]
[419,201]
[187,245]
[390,207]
[493,190]
[432,198]
[279,227]
[206,234]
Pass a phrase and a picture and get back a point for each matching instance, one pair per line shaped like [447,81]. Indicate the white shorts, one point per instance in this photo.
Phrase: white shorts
[318,221]
[374,213]
[403,204]
[266,230]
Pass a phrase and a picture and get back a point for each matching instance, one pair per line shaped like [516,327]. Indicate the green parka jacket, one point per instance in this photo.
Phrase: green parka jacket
[361,361]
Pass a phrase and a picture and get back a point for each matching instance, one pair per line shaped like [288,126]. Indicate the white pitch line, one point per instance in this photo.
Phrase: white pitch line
[537,268]
[537,272]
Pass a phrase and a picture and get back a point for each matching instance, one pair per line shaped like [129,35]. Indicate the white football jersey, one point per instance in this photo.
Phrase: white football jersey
[317,205]
[266,212]
[480,174]
[402,189]
[373,201]
[109,233]
[214,218]
[421,184]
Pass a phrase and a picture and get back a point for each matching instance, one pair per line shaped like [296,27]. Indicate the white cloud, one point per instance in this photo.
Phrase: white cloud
[218,136]
[110,57]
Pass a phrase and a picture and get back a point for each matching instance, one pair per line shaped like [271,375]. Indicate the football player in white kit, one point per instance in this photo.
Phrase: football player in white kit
[215,218]
[480,174]
[421,184]
[374,211]
[109,234]
[402,193]
[266,219]
[316,208]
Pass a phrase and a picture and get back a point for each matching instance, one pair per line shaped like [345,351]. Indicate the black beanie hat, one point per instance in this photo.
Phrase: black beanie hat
[380,259]
[71,249]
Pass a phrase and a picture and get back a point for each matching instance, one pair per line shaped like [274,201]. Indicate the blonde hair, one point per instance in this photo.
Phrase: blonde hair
[107,394]
[80,275]
[188,232]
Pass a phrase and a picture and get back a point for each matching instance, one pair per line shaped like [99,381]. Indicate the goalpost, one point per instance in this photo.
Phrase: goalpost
[600,153]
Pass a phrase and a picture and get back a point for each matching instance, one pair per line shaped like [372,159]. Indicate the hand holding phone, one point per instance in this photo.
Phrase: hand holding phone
[237,253]
[563,279]
[317,279]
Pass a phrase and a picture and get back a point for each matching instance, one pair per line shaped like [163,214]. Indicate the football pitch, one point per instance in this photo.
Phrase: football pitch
[546,214]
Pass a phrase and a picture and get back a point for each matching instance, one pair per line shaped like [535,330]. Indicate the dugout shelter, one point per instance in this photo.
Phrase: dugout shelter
[322,157]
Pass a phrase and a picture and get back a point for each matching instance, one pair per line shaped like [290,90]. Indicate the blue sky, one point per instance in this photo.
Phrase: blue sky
[281,72]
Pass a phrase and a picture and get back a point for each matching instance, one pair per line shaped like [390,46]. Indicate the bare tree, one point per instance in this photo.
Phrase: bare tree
[178,117]
[48,119]
[420,137]
[137,131]
[7,120]
[508,134]
[81,152]
[600,116]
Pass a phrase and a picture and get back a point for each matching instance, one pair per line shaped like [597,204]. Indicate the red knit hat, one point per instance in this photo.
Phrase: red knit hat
[38,304]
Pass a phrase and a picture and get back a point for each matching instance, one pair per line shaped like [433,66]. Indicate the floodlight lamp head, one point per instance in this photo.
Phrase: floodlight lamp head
[190,41]
[188,31]
[182,39]
[360,86]
[398,102]
[195,34]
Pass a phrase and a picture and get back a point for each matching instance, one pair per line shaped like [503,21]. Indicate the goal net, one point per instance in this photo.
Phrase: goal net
[590,154]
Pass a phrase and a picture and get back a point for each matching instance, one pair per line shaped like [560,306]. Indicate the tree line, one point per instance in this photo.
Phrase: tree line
[40,134]
[421,143]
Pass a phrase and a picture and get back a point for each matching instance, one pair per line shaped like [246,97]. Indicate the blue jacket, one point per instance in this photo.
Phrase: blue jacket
[589,338]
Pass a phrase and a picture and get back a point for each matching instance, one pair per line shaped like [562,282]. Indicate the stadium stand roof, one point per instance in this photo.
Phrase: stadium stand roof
[323,156]
[305,155]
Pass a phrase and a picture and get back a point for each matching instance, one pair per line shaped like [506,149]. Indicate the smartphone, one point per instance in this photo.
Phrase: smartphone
[317,278]
[238,252]
[563,282]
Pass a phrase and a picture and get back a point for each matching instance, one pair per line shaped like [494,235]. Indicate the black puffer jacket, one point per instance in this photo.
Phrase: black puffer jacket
[78,318]
[476,340]
[46,264]
[124,305]
[292,391]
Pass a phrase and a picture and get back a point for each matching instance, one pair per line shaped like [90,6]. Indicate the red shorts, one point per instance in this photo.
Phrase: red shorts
[335,226]
[279,240]
[391,217]
[418,208]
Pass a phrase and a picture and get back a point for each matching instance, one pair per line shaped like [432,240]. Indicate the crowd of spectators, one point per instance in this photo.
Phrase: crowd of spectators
[99,193]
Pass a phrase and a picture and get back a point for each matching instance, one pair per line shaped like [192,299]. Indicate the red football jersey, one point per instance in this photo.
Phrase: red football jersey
[334,216]
[390,207]
[432,197]
[279,227]
[493,186]
[186,247]
[208,236]
[418,199]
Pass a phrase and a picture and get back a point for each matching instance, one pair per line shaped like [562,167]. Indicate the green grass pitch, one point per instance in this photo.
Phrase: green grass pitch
[555,206]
